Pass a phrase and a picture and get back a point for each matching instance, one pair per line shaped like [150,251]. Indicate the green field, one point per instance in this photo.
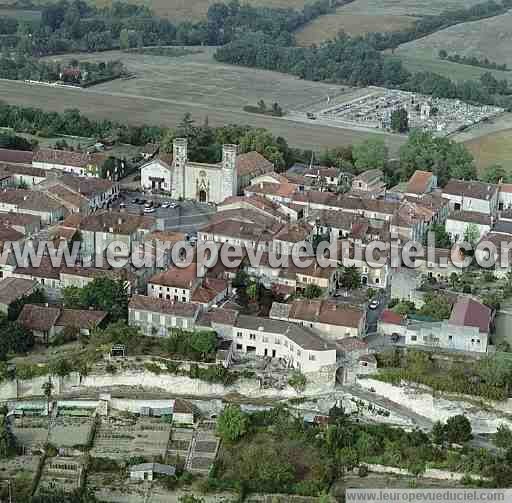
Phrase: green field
[494,148]
[455,71]
[488,38]
[21,14]
[164,89]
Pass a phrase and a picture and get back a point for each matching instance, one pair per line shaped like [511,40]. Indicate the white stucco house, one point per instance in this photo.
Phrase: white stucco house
[297,346]
[472,196]
[459,222]
[468,329]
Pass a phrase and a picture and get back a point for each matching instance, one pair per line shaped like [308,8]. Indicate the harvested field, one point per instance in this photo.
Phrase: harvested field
[403,7]
[494,148]
[328,26]
[197,9]
[166,88]
[487,38]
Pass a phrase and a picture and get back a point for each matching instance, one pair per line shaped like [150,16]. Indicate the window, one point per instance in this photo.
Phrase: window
[298,352]
[312,357]
[277,340]
[239,334]
[414,338]
[450,337]
[252,337]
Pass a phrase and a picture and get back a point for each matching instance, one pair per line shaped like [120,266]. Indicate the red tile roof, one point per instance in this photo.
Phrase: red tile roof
[252,163]
[388,316]
[176,277]
[469,313]
[419,182]
[39,318]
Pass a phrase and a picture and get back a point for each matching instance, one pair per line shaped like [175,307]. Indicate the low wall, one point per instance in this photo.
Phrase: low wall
[429,473]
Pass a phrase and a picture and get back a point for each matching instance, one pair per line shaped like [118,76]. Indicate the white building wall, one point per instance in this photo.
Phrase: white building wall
[155,169]
[169,292]
[456,229]
[279,346]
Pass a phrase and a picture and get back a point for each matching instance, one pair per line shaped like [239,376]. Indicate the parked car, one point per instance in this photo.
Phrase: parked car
[166,204]
[122,205]
[374,304]
[135,201]
[149,210]
[149,204]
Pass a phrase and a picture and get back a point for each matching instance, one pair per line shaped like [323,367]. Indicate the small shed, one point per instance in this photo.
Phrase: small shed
[183,412]
[147,471]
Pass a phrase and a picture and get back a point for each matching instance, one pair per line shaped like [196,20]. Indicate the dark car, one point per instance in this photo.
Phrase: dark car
[135,201]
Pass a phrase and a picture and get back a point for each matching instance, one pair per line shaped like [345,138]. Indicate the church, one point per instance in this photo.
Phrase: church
[208,183]
[183,179]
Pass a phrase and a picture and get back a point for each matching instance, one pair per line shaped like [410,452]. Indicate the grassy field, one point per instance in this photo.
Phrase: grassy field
[403,7]
[363,16]
[494,148]
[167,88]
[485,38]
[20,14]
[327,27]
[448,69]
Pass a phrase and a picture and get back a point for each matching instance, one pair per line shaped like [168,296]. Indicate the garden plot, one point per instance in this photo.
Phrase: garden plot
[31,433]
[21,471]
[119,439]
[61,472]
[203,451]
[179,445]
[70,431]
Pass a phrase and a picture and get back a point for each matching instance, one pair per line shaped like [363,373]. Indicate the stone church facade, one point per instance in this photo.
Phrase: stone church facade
[184,179]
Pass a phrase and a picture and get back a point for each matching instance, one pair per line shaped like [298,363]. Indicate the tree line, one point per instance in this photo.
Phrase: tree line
[355,61]
[205,141]
[75,25]
[80,73]
[472,61]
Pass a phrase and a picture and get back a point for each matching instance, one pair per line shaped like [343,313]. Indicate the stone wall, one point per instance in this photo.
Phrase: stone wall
[430,473]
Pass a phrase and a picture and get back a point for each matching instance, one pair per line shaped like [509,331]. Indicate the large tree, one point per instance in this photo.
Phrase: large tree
[105,294]
[495,173]
[400,120]
[371,154]
[445,158]
[232,423]
[458,429]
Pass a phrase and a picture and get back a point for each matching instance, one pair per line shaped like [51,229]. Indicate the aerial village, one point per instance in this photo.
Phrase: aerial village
[130,370]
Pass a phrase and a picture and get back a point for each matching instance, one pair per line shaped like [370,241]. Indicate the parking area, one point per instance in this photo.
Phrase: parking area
[171,215]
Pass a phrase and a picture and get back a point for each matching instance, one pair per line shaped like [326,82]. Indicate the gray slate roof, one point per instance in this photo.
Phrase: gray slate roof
[302,336]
